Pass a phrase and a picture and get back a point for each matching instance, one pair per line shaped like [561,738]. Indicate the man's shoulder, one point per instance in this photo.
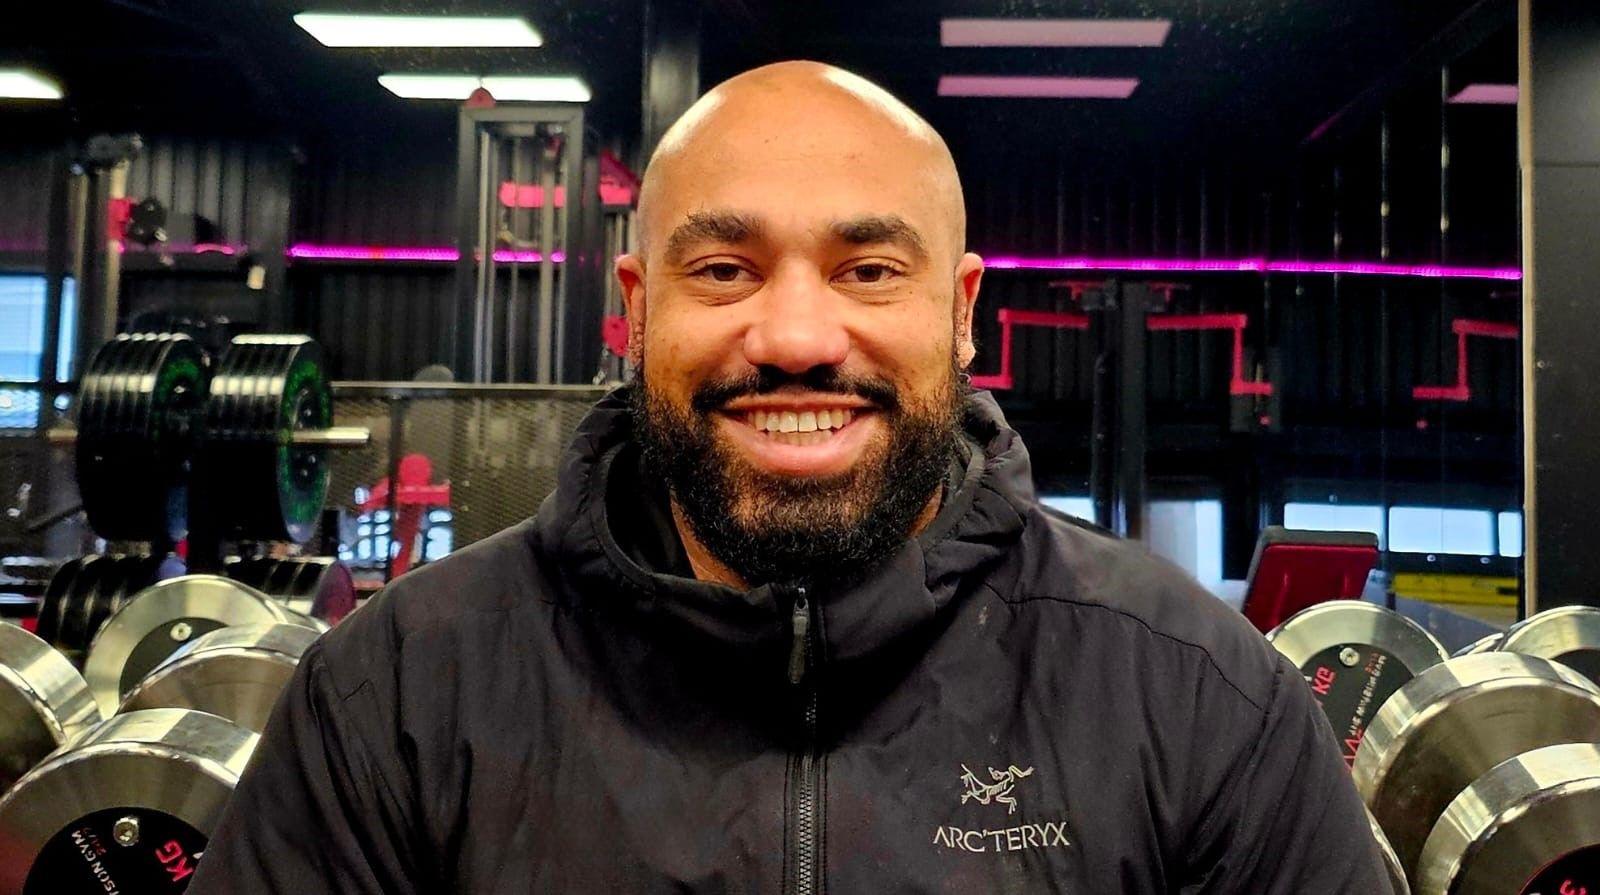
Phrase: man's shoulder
[1130,598]
[471,589]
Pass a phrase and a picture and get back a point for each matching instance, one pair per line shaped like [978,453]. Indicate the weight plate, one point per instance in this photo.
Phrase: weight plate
[1354,655]
[1531,825]
[74,635]
[235,673]
[54,604]
[160,619]
[264,388]
[1569,635]
[319,586]
[141,793]
[1391,861]
[44,702]
[134,404]
[1455,721]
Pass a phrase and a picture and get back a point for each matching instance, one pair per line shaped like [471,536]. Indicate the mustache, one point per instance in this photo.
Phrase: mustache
[768,380]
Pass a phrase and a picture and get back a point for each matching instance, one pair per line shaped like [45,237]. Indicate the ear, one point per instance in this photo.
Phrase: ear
[629,271]
[969,276]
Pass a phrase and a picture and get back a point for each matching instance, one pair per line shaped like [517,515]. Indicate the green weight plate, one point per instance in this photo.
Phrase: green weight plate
[264,388]
[134,410]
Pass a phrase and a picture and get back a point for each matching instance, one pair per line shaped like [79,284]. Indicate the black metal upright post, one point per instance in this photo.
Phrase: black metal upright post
[671,48]
[1118,441]
[1558,126]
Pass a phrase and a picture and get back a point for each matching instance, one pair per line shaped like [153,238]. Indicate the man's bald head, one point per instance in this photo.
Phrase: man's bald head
[835,116]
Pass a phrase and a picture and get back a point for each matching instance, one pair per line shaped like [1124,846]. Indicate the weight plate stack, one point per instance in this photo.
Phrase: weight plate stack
[1354,655]
[1455,721]
[162,618]
[44,702]
[318,586]
[85,592]
[263,487]
[1569,635]
[1531,826]
[235,673]
[141,793]
[134,409]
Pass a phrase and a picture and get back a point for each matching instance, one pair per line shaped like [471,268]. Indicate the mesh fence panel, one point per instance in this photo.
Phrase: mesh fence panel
[498,447]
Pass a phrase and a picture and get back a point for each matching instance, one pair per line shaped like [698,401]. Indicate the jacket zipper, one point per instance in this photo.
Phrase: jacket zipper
[805,818]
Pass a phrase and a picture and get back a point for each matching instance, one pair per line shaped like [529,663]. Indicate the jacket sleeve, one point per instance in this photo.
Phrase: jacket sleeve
[317,809]
[1289,820]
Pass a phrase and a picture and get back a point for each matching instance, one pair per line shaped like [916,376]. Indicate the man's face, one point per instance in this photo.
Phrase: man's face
[800,320]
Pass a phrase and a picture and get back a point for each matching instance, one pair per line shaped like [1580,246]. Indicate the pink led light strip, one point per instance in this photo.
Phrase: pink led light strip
[1253,265]
[305,251]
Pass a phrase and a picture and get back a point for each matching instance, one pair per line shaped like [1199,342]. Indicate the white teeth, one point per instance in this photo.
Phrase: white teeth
[824,420]
[791,422]
[807,422]
[800,423]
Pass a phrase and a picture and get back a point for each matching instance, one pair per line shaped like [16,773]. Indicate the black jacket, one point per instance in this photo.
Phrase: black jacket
[1011,703]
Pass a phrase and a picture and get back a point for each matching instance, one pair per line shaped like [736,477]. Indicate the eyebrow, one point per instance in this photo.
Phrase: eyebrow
[882,229]
[727,227]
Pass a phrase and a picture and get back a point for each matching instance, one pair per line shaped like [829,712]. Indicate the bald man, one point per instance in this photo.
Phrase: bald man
[793,620]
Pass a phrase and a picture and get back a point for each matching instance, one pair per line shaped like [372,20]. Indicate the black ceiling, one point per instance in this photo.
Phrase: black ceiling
[1236,76]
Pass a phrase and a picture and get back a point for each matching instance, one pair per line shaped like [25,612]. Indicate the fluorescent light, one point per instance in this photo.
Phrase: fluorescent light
[1487,95]
[19,83]
[1054,32]
[346,30]
[430,86]
[506,88]
[557,89]
[1032,86]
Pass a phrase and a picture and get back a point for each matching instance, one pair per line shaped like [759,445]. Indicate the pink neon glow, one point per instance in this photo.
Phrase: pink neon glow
[1487,95]
[312,252]
[1252,265]
[1037,87]
[1463,327]
[526,195]
[1054,32]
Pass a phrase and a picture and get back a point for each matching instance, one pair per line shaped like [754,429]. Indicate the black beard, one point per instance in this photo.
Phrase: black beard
[805,531]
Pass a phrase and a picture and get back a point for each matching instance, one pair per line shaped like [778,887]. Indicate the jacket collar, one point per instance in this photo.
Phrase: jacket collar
[976,526]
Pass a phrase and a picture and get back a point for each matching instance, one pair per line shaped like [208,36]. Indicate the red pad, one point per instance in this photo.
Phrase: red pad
[1295,569]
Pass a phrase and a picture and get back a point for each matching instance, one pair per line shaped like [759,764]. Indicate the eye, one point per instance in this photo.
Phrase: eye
[720,272]
[872,273]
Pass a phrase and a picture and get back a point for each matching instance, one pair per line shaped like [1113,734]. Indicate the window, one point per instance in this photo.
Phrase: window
[1335,517]
[22,318]
[1189,533]
[1441,530]
[1509,524]
[1071,504]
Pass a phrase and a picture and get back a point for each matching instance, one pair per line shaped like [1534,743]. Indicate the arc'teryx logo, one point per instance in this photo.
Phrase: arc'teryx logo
[998,791]
[1025,835]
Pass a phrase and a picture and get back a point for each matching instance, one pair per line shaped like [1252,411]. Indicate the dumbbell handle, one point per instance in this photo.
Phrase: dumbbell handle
[332,437]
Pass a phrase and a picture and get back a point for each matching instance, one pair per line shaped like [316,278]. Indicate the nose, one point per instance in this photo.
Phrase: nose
[799,327]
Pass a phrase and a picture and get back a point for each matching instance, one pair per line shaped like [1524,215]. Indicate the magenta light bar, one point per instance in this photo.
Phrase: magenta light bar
[1037,87]
[1486,95]
[313,252]
[1054,32]
[1253,265]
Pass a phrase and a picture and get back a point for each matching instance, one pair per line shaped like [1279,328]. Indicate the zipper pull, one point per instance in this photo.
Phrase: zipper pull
[800,646]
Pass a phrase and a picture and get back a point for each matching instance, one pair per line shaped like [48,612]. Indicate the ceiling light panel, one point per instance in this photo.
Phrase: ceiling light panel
[504,88]
[18,83]
[348,30]
[1054,32]
[1037,87]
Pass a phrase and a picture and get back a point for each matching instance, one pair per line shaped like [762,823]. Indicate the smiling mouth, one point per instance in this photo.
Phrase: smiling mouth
[800,426]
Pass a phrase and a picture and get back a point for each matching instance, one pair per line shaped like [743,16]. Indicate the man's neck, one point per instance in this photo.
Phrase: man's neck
[711,569]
